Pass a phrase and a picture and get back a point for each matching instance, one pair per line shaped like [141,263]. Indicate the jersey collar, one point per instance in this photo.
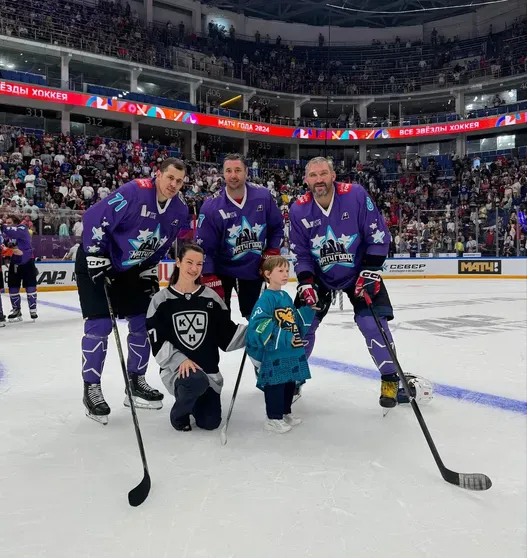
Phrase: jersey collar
[327,211]
[234,202]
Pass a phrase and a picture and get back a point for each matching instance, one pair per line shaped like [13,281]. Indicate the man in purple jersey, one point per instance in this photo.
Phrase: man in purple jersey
[237,229]
[125,236]
[338,238]
[22,268]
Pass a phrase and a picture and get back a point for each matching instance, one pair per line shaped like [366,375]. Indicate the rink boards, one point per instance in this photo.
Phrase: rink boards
[60,275]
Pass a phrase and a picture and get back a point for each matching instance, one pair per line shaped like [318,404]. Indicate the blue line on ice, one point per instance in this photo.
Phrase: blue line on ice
[462,394]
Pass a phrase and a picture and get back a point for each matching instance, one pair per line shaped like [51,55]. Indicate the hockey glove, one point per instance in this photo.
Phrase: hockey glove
[267,254]
[213,282]
[99,267]
[307,291]
[368,281]
[150,281]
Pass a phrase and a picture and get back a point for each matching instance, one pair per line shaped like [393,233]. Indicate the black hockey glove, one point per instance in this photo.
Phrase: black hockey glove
[99,268]
[150,281]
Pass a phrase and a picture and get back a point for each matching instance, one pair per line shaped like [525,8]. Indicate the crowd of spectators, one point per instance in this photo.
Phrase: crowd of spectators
[50,180]
[111,27]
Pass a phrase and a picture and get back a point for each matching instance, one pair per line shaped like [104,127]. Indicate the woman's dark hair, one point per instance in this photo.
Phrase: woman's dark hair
[187,247]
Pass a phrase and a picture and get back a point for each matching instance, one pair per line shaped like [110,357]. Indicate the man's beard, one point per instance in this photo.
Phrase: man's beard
[322,193]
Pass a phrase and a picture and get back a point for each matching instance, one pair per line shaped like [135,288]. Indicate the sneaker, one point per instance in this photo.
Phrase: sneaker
[291,420]
[279,426]
[389,390]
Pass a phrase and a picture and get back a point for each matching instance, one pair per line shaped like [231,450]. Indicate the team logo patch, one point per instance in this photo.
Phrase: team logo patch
[259,208]
[306,198]
[328,250]
[144,183]
[345,215]
[190,328]
[245,238]
[286,321]
[344,188]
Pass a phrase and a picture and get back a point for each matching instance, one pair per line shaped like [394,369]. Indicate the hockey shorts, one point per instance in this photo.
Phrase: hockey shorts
[129,293]
[22,275]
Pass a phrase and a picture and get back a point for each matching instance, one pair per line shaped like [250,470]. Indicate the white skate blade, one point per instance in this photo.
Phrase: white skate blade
[141,403]
[2,324]
[223,435]
[15,320]
[101,419]
[386,410]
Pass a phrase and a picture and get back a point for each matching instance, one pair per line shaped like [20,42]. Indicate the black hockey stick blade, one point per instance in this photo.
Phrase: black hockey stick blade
[140,493]
[470,481]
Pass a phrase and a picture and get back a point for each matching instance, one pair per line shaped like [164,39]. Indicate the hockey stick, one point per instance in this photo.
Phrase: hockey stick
[223,433]
[471,481]
[139,494]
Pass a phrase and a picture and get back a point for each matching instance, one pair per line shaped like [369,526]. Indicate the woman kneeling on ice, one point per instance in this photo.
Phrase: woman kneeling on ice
[187,323]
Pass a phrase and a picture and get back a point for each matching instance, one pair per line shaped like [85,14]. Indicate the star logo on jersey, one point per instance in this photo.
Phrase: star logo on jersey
[329,250]
[98,233]
[245,238]
[190,328]
[145,245]
[378,236]
[105,223]
[93,249]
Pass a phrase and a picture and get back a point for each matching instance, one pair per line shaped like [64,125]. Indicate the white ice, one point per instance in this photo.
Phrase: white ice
[347,483]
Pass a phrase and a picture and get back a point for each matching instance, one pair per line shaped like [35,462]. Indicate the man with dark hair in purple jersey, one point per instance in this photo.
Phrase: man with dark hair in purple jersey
[125,235]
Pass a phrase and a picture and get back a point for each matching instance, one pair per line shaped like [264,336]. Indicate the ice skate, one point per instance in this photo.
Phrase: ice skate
[2,320]
[144,396]
[279,426]
[291,420]
[389,392]
[15,316]
[33,315]
[96,407]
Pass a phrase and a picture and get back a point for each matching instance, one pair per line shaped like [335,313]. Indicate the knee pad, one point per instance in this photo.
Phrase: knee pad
[98,327]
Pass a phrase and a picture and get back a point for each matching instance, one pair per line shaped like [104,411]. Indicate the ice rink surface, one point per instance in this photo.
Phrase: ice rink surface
[347,483]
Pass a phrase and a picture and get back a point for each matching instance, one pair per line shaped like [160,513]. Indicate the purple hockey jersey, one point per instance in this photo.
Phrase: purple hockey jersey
[234,235]
[131,227]
[17,236]
[331,243]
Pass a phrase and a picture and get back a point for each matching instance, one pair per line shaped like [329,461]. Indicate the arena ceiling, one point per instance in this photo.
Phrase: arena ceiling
[316,12]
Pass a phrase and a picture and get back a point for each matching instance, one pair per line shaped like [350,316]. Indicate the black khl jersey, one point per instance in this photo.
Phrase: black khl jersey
[191,325]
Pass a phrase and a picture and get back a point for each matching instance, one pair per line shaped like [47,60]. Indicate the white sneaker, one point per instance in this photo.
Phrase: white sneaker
[279,426]
[291,420]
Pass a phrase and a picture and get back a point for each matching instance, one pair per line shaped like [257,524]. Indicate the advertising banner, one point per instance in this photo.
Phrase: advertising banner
[60,275]
[194,119]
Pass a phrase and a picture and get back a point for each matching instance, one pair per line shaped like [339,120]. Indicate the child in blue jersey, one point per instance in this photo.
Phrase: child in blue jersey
[274,344]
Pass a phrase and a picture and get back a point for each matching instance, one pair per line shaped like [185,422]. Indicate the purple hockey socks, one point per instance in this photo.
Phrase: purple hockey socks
[375,343]
[14,295]
[138,345]
[32,297]
[94,346]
